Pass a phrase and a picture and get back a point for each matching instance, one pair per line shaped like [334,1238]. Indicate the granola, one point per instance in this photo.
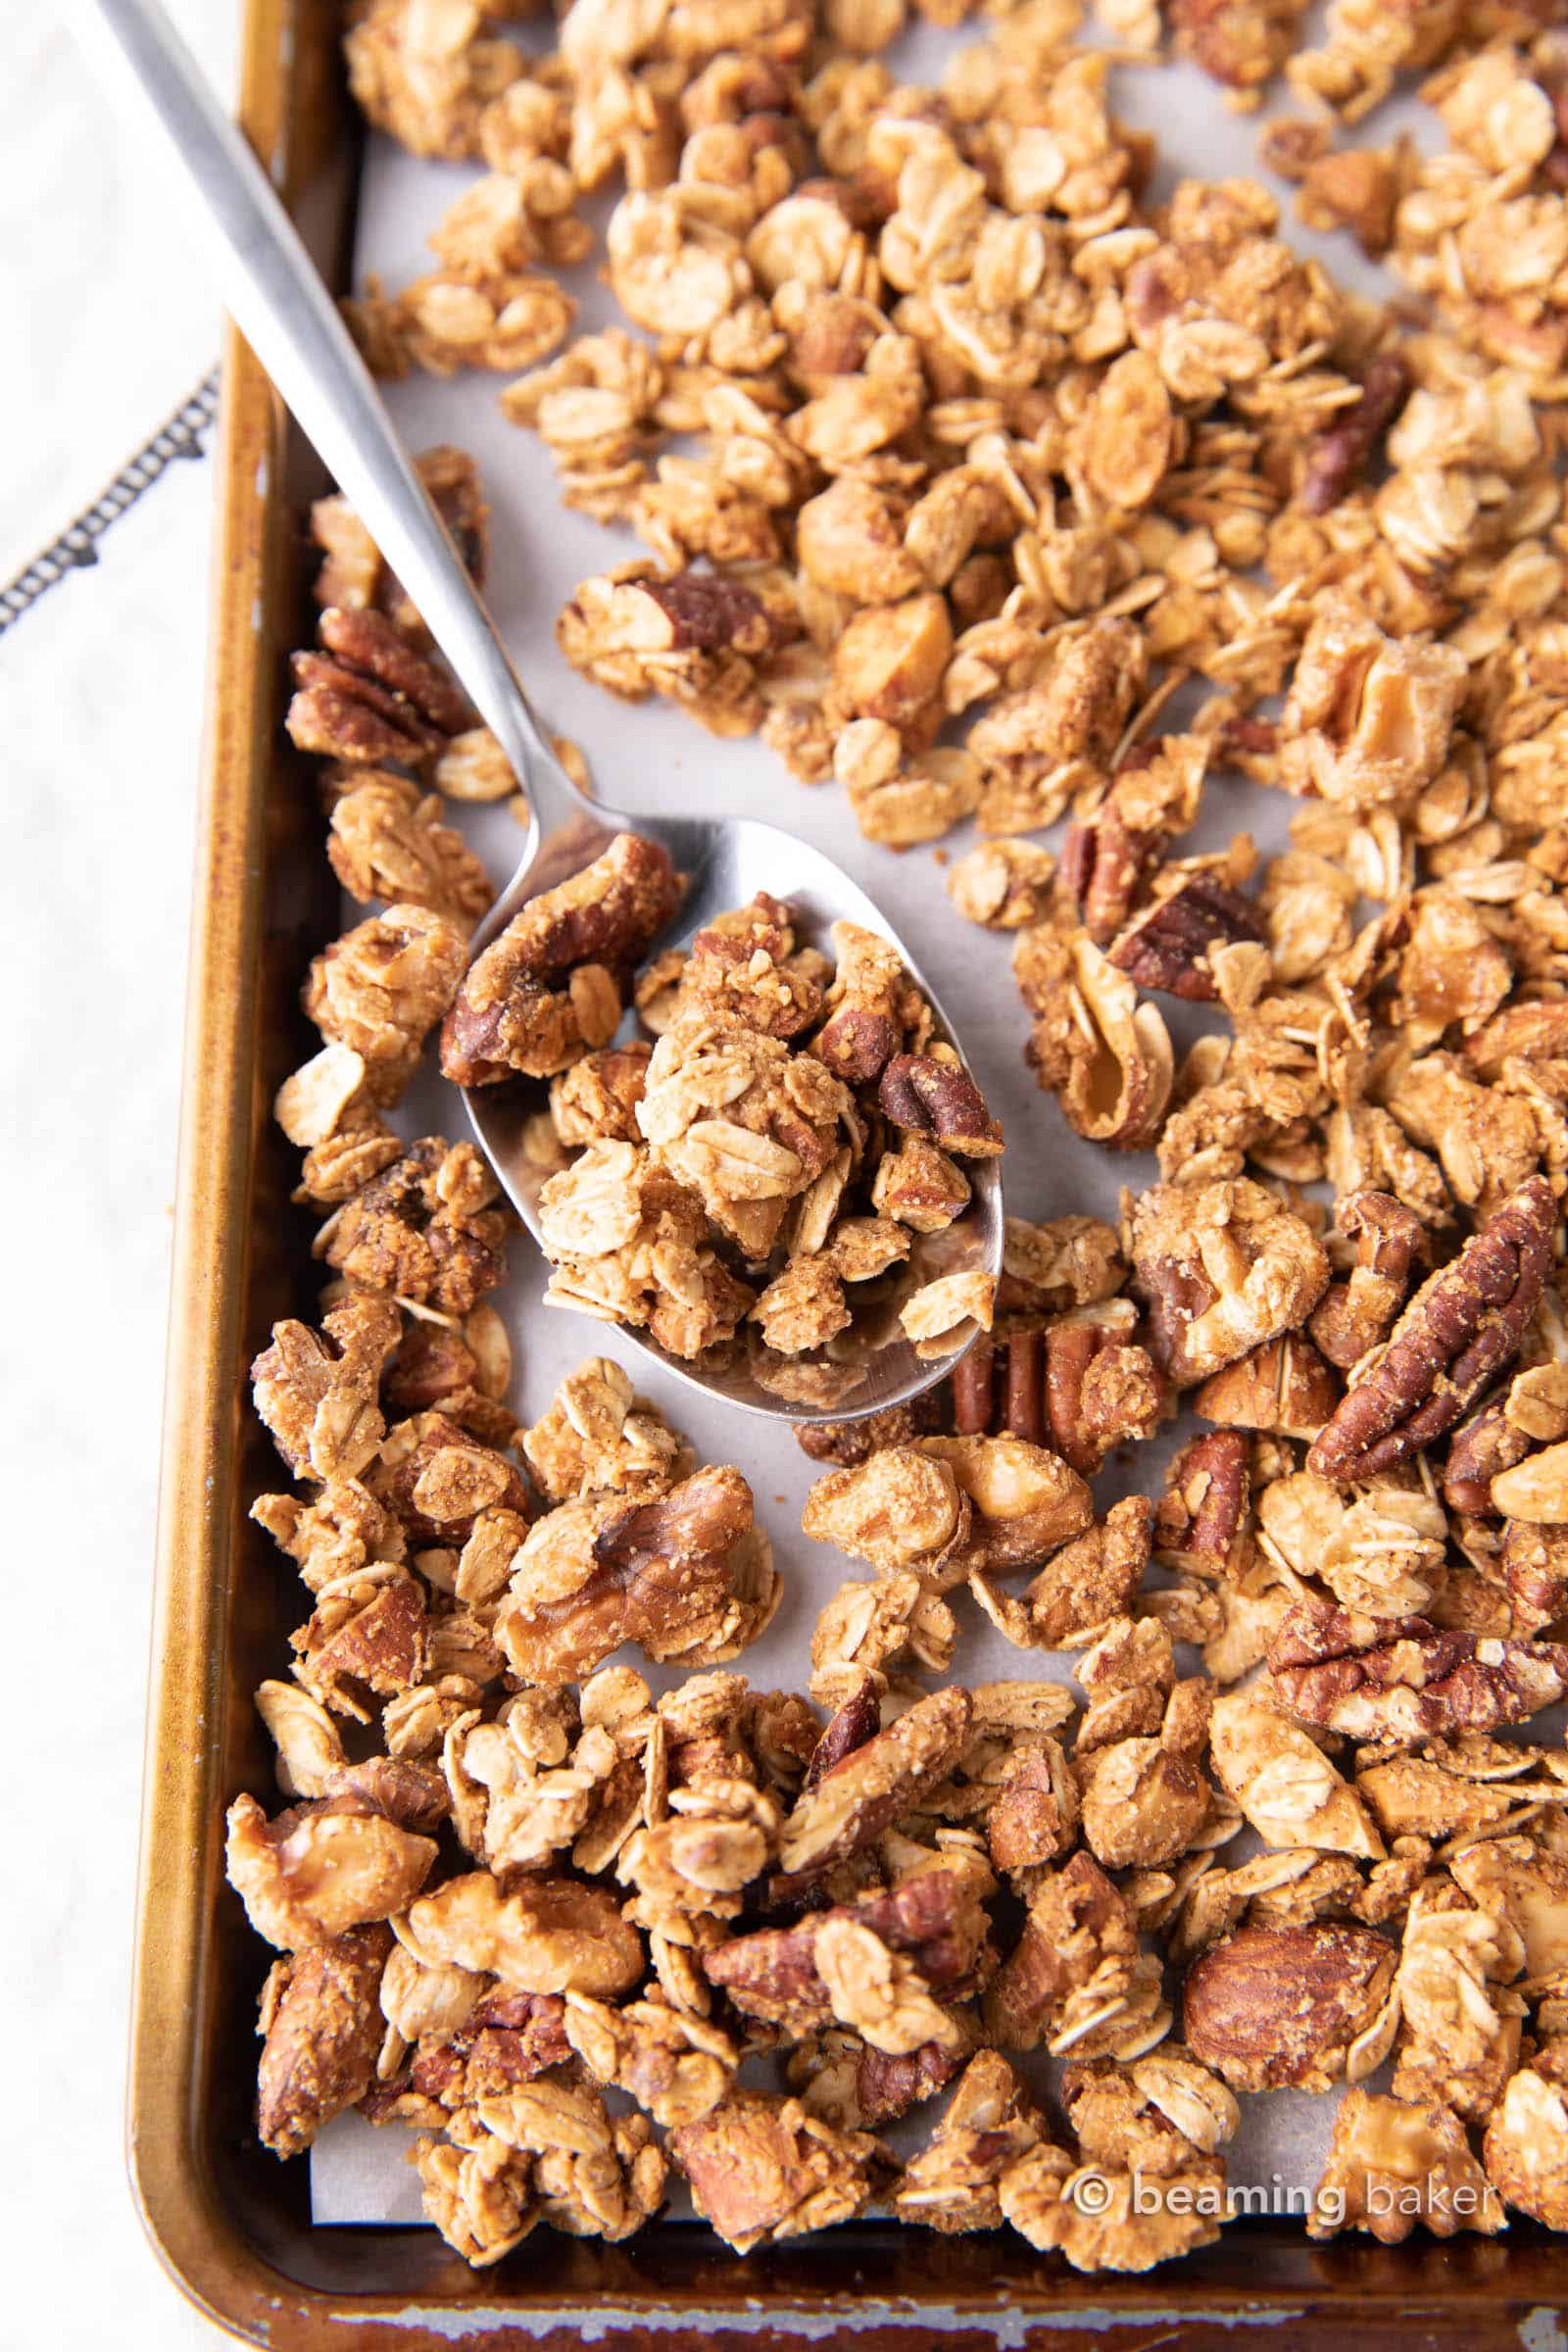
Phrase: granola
[728,1172]
[959,441]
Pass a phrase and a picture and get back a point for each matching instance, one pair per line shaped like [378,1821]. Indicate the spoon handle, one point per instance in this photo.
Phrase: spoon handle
[277,299]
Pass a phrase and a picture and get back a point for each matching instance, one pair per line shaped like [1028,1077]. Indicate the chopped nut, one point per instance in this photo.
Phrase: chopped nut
[1203,1522]
[1172,945]
[763,2168]
[600,1435]
[902,1507]
[1003,885]
[872,1786]
[1402,1678]
[543,1936]
[675,2066]
[1284,1387]
[687,1574]
[322,2023]
[921,1187]
[318,1396]
[423,1228]
[380,988]
[1457,1333]
[1076,1979]
[1285,1785]
[1277,2006]
[990,2124]
[1525,2145]
[942,1316]
[1368,720]
[1024,1502]
[318,1871]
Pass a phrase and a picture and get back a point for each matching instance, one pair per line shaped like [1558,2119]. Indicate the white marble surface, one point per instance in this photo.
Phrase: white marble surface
[106,327]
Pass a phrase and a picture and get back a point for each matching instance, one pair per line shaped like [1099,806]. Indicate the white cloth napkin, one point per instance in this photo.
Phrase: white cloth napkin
[109,315]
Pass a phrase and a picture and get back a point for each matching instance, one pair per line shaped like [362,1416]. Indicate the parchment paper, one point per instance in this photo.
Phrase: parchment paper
[651,757]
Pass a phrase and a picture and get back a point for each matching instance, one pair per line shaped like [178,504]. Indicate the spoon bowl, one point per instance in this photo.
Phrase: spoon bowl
[277,299]
[871,1365]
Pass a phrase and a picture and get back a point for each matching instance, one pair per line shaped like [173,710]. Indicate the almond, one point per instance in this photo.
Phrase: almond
[1279,2006]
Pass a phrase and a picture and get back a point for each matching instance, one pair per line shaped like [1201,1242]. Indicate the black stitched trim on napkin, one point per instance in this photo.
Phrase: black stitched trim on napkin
[183,435]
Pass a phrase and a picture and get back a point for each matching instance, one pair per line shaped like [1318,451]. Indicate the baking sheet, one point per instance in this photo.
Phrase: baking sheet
[651,757]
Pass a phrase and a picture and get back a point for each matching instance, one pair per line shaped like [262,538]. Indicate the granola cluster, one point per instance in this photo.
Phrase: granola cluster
[445,1708]
[954,452]
[986,485]
[789,1133]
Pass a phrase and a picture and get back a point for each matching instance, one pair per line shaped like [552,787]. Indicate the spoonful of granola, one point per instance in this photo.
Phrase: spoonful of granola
[784,1184]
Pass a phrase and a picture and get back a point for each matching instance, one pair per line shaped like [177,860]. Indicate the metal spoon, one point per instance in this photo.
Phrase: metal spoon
[279,301]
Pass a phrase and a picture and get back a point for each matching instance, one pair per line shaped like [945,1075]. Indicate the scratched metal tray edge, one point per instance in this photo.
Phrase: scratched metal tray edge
[230,2226]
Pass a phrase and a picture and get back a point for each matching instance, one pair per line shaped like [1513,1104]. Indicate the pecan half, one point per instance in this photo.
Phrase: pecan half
[1457,1333]
[1480,1447]
[926,1095]
[1169,946]
[1404,1678]
[1202,1517]
[373,695]
[1103,867]
[934,1917]
[868,1788]
[1098,1392]
[1357,1314]
[1339,456]
[600,920]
